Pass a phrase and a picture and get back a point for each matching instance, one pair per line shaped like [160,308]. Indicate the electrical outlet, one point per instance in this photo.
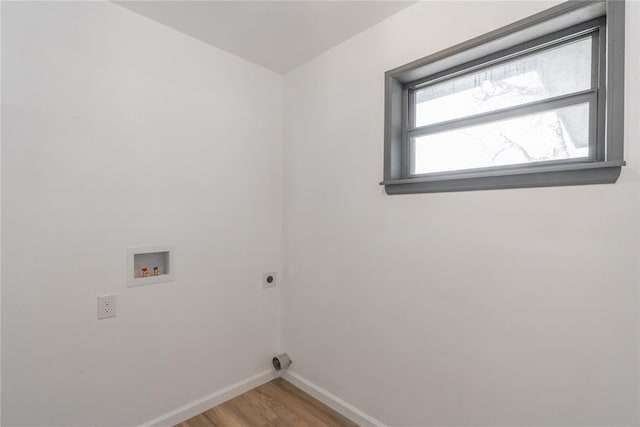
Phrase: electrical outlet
[106,306]
[269,280]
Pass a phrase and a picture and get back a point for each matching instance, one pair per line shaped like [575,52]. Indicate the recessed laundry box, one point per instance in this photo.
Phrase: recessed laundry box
[148,265]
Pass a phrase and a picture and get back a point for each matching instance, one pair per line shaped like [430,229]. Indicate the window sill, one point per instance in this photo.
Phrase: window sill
[518,177]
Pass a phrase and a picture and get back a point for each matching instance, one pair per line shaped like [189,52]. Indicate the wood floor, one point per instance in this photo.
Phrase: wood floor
[277,403]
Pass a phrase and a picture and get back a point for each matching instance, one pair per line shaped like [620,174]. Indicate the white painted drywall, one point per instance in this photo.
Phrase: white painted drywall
[503,307]
[0,218]
[511,306]
[120,132]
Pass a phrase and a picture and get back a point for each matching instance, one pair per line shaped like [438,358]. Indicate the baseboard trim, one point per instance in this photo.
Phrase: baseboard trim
[198,406]
[332,401]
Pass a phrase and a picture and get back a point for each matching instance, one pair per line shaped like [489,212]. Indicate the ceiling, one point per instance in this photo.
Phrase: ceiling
[279,35]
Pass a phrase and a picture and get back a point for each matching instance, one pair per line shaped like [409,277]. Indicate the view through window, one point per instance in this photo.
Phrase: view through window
[533,108]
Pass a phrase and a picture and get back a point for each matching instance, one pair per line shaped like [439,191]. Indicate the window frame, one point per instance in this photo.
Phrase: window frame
[571,20]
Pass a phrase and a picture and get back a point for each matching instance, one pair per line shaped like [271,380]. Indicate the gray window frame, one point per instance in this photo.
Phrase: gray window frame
[554,25]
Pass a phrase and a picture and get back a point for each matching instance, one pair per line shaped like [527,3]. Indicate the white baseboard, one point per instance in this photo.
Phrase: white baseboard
[332,401]
[198,406]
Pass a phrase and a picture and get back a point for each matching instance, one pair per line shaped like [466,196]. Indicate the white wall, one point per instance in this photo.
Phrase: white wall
[121,132]
[494,307]
[0,221]
[476,308]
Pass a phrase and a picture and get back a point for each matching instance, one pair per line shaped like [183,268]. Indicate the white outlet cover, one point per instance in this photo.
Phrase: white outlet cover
[265,280]
[106,306]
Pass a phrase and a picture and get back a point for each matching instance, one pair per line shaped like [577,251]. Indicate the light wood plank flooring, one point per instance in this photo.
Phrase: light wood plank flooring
[277,403]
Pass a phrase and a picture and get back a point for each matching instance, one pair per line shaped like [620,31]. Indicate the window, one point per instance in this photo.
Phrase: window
[537,103]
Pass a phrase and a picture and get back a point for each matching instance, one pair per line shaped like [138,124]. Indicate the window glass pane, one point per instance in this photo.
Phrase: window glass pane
[553,72]
[551,135]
